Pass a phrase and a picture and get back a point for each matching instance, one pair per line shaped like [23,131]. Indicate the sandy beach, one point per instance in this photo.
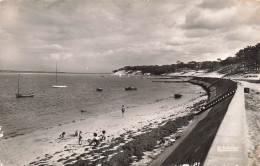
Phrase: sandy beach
[67,68]
[43,147]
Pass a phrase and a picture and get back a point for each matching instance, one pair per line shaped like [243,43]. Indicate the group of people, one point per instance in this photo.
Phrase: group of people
[95,141]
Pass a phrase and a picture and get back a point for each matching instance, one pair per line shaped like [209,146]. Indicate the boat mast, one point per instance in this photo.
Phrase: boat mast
[56,73]
[18,83]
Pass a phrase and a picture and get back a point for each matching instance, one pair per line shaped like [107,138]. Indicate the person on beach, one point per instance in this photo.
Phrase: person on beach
[123,109]
[62,135]
[80,138]
[95,140]
[103,136]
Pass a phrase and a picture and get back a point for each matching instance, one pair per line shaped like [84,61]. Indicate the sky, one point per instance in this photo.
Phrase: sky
[104,35]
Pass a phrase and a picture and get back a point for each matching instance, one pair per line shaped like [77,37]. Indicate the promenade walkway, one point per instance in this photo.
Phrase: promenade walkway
[229,147]
[218,137]
[193,146]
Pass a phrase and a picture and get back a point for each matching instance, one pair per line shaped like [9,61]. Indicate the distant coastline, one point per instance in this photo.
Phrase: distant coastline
[17,71]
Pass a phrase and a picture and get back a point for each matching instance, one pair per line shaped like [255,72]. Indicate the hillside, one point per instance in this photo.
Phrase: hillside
[245,60]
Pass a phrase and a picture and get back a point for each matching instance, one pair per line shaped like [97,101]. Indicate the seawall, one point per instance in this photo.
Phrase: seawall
[196,143]
[230,144]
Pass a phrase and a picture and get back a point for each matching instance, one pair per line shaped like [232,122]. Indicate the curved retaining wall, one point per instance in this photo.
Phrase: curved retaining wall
[216,88]
[195,145]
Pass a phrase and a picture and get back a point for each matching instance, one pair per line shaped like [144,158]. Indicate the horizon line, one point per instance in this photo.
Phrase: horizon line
[28,71]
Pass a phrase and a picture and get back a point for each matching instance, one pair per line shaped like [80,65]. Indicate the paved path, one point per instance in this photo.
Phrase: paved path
[255,86]
[229,147]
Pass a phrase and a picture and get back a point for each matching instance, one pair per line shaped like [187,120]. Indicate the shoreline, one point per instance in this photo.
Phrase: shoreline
[50,107]
[43,140]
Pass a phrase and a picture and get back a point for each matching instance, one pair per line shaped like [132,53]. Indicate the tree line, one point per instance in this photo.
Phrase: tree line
[246,59]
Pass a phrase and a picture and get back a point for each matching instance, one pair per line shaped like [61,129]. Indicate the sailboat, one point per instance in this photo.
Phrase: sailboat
[18,94]
[58,86]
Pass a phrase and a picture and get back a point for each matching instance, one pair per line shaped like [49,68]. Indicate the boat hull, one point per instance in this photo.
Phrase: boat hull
[130,88]
[99,89]
[177,96]
[18,95]
[59,86]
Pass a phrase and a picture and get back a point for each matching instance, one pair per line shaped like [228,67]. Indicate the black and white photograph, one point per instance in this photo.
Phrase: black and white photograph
[129,82]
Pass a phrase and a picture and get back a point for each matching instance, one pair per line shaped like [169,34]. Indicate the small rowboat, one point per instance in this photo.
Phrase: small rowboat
[19,95]
[130,88]
[177,96]
[99,89]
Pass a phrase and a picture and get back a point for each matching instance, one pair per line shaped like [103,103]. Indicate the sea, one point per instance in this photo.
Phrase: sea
[57,106]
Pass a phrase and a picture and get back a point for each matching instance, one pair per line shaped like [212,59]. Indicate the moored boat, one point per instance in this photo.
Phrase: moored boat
[58,86]
[20,95]
[99,89]
[177,95]
[130,88]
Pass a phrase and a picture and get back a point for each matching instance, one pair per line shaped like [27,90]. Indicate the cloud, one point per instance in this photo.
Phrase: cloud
[248,12]
[220,28]
[216,4]
[207,19]
[60,56]
[243,33]
[229,14]
[108,34]
[5,35]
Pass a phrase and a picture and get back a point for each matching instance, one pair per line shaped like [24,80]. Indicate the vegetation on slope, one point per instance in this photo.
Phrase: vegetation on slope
[246,59]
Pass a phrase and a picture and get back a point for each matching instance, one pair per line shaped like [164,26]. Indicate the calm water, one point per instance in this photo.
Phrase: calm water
[51,106]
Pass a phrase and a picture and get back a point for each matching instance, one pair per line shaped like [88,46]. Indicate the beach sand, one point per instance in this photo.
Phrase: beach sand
[252,104]
[43,147]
